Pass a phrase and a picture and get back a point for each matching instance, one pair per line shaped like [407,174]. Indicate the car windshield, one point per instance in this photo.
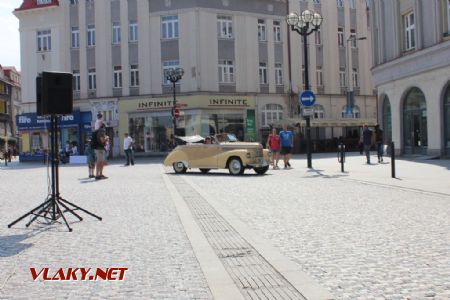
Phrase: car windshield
[226,137]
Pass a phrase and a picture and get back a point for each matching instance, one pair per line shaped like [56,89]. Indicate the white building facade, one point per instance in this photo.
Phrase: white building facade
[243,66]
[412,73]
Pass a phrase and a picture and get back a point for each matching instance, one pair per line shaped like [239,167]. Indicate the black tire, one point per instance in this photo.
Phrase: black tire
[179,167]
[204,171]
[235,166]
[261,170]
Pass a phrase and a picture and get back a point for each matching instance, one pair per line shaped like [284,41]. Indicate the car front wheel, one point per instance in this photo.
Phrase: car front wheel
[261,170]
[235,166]
[179,167]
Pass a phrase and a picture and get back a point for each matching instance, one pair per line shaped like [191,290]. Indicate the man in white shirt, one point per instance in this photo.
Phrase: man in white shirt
[128,148]
[99,121]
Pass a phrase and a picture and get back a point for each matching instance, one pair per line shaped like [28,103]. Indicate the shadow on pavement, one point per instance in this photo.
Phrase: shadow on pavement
[11,245]
[217,174]
[319,174]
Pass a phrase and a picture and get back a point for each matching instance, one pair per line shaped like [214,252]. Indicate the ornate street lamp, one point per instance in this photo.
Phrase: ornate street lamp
[174,75]
[305,24]
[349,67]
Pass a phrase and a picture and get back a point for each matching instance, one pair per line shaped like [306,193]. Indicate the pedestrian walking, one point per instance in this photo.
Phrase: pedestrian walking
[91,159]
[379,140]
[274,145]
[98,142]
[287,142]
[128,148]
[367,142]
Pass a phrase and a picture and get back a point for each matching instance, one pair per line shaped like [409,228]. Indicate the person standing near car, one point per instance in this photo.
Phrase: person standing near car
[128,149]
[287,142]
[274,145]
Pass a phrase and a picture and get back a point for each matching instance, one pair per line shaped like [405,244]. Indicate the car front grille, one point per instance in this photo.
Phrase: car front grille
[259,152]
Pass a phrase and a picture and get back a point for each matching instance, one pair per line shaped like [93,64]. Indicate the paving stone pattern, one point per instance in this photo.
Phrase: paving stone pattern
[255,277]
[360,241]
[140,231]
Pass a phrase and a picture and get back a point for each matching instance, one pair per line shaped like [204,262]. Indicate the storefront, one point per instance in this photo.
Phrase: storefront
[150,124]
[34,133]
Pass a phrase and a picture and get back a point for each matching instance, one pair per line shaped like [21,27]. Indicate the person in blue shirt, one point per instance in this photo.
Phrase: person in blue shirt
[287,142]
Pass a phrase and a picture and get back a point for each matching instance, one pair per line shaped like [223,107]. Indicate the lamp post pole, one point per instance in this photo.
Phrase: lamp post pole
[174,75]
[349,75]
[305,24]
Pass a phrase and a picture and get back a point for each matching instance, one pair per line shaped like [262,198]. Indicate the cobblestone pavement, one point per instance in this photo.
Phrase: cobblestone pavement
[360,237]
[140,231]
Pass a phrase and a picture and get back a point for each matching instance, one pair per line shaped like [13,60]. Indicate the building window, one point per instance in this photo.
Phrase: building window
[340,3]
[277,31]
[44,40]
[351,4]
[134,76]
[261,30]
[91,35]
[262,73]
[354,112]
[225,27]
[117,77]
[73,2]
[278,74]
[271,113]
[342,79]
[319,112]
[75,37]
[43,2]
[92,79]
[169,27]
[410,39]
[169,64]
[116,33]
[316,1]
[318,38]
[133,34]
[76,81]
[355,77]
[226,71]
[341,37]
[319,76]
[353,38]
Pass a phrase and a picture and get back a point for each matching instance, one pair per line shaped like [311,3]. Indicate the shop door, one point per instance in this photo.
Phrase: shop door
[415,132]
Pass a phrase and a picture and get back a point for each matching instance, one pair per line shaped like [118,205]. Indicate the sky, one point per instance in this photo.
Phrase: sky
[9,34]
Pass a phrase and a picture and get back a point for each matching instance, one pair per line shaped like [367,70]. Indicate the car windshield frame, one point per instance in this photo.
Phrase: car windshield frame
[226,138]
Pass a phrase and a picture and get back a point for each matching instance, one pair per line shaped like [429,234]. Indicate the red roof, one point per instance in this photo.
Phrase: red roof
[31,4]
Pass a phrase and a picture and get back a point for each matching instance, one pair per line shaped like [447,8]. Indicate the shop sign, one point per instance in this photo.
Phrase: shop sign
[154,104]
[250,126]
[233,102]
[30,121]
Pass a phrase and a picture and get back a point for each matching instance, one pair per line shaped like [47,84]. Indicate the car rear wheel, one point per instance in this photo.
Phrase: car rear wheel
[204,171]
[179,167]
[261,170]
[235,166]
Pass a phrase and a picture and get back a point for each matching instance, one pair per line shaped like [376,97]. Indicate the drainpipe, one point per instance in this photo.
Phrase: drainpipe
[291,114]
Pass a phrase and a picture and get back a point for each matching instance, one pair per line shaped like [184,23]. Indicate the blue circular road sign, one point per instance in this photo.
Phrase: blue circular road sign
[307,98]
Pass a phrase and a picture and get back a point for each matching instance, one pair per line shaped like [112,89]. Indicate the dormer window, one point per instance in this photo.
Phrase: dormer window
[43,2]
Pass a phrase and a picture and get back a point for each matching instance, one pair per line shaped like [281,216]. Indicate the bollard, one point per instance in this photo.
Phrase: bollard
[392,160]
[341,155]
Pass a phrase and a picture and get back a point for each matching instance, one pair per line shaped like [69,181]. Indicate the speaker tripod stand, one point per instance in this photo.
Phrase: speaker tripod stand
[55,206]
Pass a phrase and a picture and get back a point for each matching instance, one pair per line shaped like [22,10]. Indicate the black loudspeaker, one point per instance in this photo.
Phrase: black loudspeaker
[56,93]
[39,95]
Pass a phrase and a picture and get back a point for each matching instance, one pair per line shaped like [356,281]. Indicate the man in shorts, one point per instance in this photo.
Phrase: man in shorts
[287,142]
[100,152]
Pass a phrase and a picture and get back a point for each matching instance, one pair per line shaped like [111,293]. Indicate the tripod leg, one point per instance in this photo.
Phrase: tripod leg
[82,209]
[38,214]
[70,210]
[28,213]
[62,215]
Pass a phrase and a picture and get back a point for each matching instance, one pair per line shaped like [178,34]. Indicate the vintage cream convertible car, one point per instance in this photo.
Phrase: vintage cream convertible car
[225,152]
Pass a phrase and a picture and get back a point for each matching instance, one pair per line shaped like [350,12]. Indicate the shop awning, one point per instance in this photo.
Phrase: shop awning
[328,122]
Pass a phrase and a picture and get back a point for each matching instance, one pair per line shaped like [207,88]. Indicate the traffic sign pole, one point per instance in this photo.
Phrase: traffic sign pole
[307,99]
